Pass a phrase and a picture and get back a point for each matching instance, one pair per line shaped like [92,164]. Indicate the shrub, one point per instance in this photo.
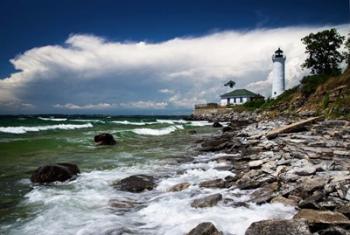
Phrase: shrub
[309,84]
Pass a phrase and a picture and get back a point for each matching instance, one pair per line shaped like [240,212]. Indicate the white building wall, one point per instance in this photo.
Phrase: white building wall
[278,76]
[223,102]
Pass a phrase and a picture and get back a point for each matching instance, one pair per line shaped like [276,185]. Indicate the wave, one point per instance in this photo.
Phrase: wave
[170,121]
[87,120]
[53,119]
[156,132]
[200,123]
[125,122]
[25,129]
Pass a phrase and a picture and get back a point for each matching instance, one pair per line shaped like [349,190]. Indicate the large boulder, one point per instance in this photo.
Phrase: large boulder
[56,172]
[205,228]
[105,139]
[207,201]
[322,217]
[278,227]
[136,183]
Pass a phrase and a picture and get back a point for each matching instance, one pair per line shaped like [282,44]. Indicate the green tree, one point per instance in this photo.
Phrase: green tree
[347,51]
[322,49]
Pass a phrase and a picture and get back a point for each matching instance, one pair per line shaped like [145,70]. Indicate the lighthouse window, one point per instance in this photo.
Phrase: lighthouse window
[275,93]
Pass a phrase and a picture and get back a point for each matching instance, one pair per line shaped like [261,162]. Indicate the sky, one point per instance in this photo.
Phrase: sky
[149,57]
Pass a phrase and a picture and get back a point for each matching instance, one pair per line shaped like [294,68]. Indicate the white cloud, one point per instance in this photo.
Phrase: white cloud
[144,105]
[90,71]
[86,106]
[166,91]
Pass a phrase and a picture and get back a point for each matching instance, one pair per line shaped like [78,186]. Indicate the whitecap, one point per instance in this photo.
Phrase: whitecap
[156,132]
[25,129]
[126,122]
[53,119]
[200,123]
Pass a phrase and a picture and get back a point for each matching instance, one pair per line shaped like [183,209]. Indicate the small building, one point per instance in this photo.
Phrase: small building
[239,96]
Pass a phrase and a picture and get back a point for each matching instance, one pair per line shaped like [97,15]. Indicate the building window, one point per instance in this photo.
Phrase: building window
[228,101]
[234,100]
[240,99]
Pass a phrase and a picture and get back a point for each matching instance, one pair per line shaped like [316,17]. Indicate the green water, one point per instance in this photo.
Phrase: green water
[21,153]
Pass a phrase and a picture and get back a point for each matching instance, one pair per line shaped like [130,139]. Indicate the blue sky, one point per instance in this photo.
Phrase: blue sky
[128,57]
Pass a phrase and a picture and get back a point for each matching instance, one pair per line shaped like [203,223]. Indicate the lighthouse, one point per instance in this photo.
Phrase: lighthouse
[278,79]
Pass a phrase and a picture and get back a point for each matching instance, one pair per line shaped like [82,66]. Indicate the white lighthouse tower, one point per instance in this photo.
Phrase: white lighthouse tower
[278,82]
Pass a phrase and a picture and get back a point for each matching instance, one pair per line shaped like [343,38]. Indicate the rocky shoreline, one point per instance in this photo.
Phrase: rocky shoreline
[297,162]
[306,167]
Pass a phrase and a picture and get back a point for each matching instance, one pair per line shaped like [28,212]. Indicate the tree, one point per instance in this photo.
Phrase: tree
[347,51]
[322,49]
[230,84]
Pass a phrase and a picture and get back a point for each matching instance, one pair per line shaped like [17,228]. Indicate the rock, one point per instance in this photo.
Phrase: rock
[192,132]
[179,187]
[121,204]
[294,127]
[227,129]
[216,183]
[104,139]
[264,194]
[285,201]
[207,201]
[136,183]
[334,230]
[255,164]
[205,228]
[312,201]
[217,124]
[278,227]
[57,172]
[304,171]
[322,217]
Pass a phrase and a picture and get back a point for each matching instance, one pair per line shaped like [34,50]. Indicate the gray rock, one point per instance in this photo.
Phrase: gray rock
[205,228]
[255,164]
[179,187]
[264,194]
[278,227]
[322,217]
[207,201]
[136,183]
[216,183]
[304,171]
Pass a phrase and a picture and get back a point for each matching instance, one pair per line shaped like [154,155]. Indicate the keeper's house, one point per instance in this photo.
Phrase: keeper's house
[239,96]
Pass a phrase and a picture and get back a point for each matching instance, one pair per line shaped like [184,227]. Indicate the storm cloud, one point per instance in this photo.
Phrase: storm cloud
[91,74]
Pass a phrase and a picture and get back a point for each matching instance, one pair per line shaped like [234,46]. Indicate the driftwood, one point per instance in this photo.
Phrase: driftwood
[291,127]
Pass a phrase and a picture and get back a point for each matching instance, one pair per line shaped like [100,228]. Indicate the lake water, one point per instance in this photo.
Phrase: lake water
[146,145]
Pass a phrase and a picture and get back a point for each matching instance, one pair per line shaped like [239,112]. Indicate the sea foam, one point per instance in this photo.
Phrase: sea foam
[156,132]
[25,129]
[53,119]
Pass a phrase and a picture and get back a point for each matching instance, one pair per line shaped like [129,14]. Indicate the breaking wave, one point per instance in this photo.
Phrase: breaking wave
[53,119]
[25,129]
[156,132]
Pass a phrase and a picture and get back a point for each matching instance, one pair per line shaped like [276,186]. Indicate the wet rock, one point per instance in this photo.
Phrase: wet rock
[322,217]
[217,124]
[205,228]
[105,139]
[216,183]
[115,203]
[264,194]
[278,227]
[179,187]
[56,172]
[136,183]
[227,129]
[192,132]
[207,201]
[312,201]
[285,201]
